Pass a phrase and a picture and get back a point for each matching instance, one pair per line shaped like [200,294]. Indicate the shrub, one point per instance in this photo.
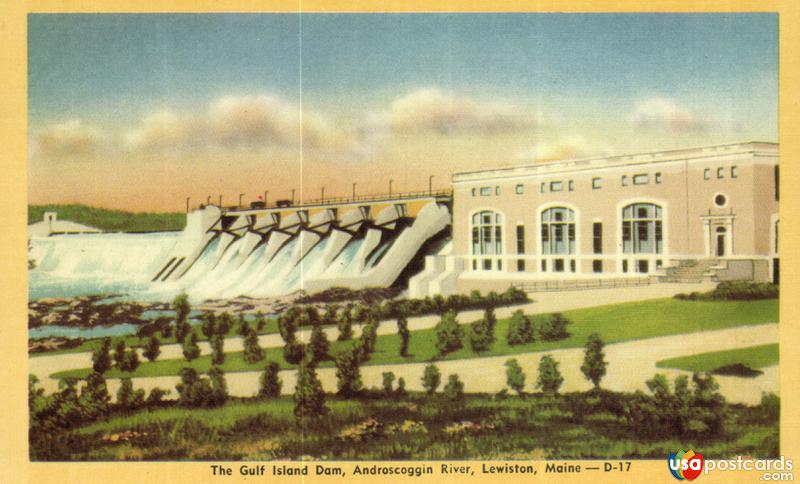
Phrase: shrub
[244,326]
[217,349]
[152,349]
[309,399]
[294,352]
[344,323]
[348,372]
[190,348]
[431,378]
[405,335]
[224,323]
[401,388]
[388,382]
[520,329]
[252,350]
[481,335]
[119,353]
[182,309]
[156,396]
[454,390]
[287,324]
[367,340]
[594,363]
[550,378]
[448,334]
[94,396]
[735,291]
[208,326]
[331,314]
[554,328]
[515,377]
[318,345]
[194,390]
[219,388]
[101,357]
[270,382]
[127,397]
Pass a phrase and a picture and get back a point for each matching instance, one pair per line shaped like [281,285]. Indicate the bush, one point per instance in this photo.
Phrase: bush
[515,377]
[294,352]
[309,399]
[127,397]
[550,378]
[366,342]
[454,390]
[348,372]
[318,345]
[431,378]
[594,363]
[388,382]
[156,396]
[101,356]
[344,323]
[196,391]
[554,328]
[94,396]
[520,329]
[270,382]
[217,349]
[405,335]
[481,335]
[252,350]
[152,349]
[190,348]
[219,387]
[448,334]
[401,388]
[182,309]
[244,326]
[208,326]
[735,291]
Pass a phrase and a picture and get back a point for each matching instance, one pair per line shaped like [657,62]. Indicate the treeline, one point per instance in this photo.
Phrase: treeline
[110,220]
[734,291]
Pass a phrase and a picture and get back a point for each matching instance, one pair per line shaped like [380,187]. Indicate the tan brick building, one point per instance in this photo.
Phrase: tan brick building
[708,212]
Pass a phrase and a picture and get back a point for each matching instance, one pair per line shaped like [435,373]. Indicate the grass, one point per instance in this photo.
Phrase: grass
[752,357]
[614,323]
[110,220]
[535,427]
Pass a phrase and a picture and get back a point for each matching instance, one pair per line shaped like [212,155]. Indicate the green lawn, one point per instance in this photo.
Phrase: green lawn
[111,220]
[614,323]
[753,357]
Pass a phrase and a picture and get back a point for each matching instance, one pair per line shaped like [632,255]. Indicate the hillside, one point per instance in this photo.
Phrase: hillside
[110,220]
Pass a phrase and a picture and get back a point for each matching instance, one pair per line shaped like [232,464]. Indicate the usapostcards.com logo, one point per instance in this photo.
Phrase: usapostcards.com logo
[685,465]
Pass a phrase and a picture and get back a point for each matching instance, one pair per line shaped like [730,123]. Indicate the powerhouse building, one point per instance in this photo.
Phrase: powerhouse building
[682,216]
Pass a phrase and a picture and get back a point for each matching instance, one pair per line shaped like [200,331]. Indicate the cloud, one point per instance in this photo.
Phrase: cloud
[669,116]
[259,121]
[430,109]
[568,147]
[71,138]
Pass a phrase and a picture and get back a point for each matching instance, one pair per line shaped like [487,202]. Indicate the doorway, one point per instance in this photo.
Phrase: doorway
[721,234]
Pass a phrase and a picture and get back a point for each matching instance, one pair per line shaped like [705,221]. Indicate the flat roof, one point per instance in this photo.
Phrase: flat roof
[556,166]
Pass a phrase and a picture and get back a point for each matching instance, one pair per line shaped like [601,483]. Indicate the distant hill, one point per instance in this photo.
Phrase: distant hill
[110,220]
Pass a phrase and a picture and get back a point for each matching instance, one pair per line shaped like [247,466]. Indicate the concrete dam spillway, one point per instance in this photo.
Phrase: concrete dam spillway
[229,252]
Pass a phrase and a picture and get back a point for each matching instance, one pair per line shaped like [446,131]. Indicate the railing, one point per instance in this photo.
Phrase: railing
[346,200]
[566,285]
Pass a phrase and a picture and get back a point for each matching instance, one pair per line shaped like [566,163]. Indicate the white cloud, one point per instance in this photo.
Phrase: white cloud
[68,139]
[667,115]
[430,109]
[565,148]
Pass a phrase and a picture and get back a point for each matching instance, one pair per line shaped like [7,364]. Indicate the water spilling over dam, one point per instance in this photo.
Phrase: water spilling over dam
[225,253]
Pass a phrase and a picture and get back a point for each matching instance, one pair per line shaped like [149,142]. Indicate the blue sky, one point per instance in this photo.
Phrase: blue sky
[373,87]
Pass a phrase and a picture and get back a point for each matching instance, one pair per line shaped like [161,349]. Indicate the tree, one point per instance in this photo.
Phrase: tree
[405,335]
[270,383]
[294,352]
[252,350]
[594,364]
[219,388]
[101,357]
[481,336]
[156,396]
[208,325]
[309,399]
[287,324]
[119,353]
[190,348]
[348,372]
[454,390]
[217,349]
[401,387]
[368,338]
[520,329]
[550,378]
[330,315]
[94,395]
[388,382]
[491,319]
[244,326]
[152,348]
[127,397]
[448,334]
[515,377]
[260,322]
[344,323]
[193,390]
[182,309]
[431,378]
[318,345]
[224,324]
[127,359]
[554,327]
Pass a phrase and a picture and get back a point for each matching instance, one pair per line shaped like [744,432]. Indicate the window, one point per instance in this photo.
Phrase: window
[487,238]
[597,183]
[776,176]
[558,231]
[720,200]
[558,265]
[497,190]
[641,179]
[572,265]
[474,191]
[734,171]
[624,266]
[707,174]
[658,178]
[521,265]
[556,186]
[597,265]
[597,237]
[721,172]
[520,239]
[571,185]
[642,266]
[642,229]
[520,189]
[541,187]
[624,180]
[544,265]
[486,191]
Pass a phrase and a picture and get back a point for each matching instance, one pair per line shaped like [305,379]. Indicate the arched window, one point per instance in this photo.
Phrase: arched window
[558,231]
[487,239]
[642,231]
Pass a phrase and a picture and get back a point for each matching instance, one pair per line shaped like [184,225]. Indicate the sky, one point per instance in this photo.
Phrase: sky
[139,112]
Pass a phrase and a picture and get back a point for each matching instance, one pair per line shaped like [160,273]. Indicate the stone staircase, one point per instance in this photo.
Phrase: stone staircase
[689,271]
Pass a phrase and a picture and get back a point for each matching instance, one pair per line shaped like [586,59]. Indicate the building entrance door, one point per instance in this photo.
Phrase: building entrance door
[721,233]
